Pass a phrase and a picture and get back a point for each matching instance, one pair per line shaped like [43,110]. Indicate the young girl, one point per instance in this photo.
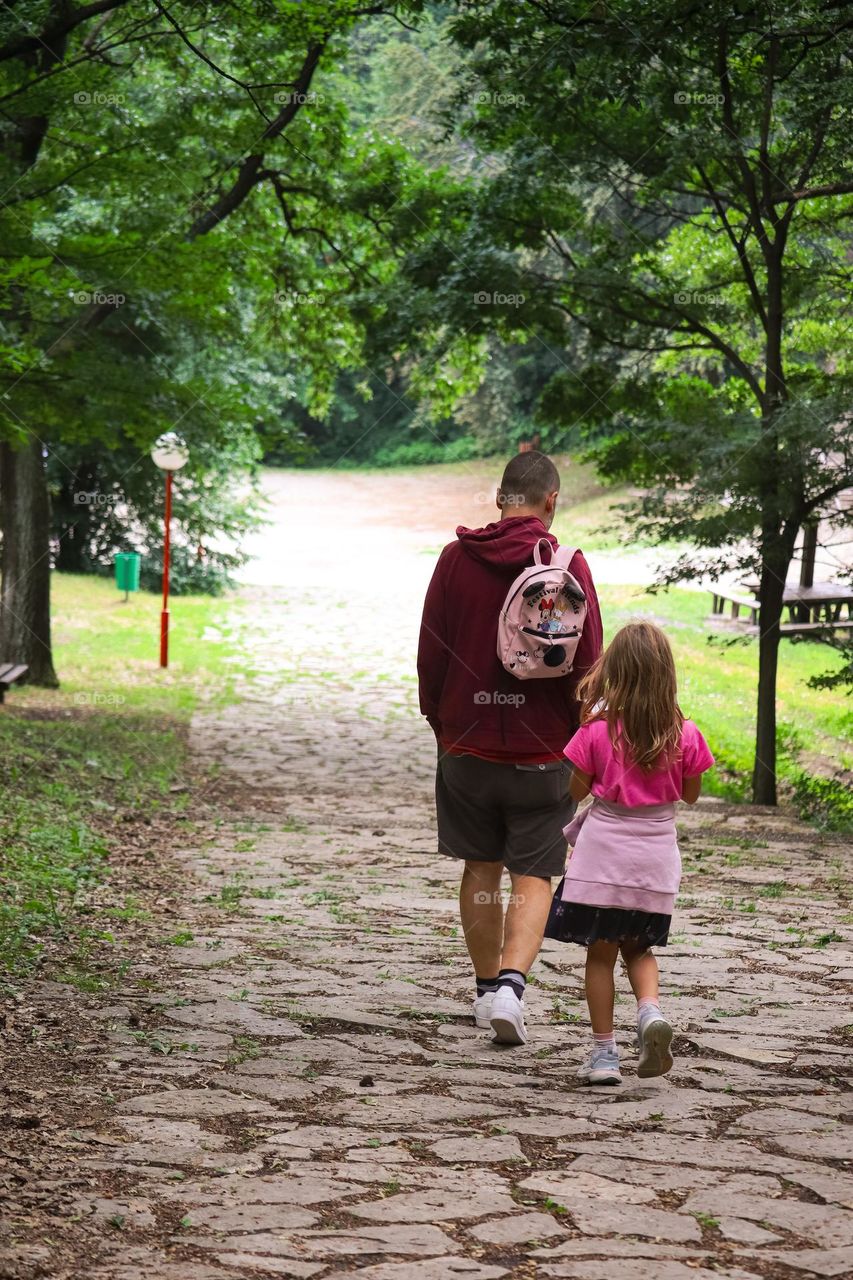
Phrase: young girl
[638,755]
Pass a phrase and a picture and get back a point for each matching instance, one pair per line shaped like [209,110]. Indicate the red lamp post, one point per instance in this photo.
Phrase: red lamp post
[170,454]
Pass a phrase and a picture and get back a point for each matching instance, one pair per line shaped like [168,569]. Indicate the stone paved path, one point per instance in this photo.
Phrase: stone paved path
[317,1102]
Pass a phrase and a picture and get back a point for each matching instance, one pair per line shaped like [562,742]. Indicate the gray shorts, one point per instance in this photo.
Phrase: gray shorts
[509,813]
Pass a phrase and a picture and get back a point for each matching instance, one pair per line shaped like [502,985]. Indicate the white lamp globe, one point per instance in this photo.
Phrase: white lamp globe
[169,452]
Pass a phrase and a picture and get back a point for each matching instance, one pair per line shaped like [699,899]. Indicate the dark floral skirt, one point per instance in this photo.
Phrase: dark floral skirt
[577,922]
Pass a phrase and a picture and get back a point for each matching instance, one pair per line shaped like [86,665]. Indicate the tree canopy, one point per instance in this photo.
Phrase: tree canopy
[673,183]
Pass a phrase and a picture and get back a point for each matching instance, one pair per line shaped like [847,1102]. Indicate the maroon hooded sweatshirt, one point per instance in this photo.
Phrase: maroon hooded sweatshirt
[457,652]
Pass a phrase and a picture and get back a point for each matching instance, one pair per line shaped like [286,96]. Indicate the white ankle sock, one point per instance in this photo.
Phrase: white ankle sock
[647,1008]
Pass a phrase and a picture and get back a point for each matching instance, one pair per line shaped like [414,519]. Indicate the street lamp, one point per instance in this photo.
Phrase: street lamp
[169,454]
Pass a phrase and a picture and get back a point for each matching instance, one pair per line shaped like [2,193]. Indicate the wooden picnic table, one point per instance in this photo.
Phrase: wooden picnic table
[823,606]
[9,673]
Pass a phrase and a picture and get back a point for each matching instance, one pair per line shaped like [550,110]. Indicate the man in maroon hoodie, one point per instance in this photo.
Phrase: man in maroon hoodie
[501,787]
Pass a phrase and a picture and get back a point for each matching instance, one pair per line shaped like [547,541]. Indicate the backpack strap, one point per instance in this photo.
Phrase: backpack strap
[562,556]
[537,554]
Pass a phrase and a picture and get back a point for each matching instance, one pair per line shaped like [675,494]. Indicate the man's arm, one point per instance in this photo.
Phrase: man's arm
[433,651]
[580,784]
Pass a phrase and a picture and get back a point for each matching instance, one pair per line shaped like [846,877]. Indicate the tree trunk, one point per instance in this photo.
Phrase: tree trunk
[72,522]
[777,551]
[764,771]
[25,587]
[774,556]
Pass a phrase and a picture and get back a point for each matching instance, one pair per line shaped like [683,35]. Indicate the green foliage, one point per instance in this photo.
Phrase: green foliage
[190,574]
[366,416]
[424,452]
[400,85]
[828,802]
[370,420]
[670,193]
[200,254]
[842,676]
[630,172]
[105,501]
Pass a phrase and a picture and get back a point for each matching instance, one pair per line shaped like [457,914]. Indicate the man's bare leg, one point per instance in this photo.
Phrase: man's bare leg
[526,917]
[524,926]
[482,915]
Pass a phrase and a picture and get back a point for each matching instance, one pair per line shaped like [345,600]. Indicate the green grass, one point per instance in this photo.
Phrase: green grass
[105,748]
[585,513]
[717,689]
[107,651]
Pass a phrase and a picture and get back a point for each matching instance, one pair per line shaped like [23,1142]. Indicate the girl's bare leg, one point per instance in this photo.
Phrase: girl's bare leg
[600,989]
[642,970]
[655,1033]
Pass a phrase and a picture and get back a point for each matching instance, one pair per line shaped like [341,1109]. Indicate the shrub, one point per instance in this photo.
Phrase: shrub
[418,453]
[827,802]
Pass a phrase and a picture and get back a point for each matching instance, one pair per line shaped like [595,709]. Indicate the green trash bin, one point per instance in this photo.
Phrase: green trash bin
[127,565]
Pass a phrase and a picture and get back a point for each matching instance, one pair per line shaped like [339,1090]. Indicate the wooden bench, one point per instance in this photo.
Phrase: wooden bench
[818,610]
[808,628]
[738,602]
[9,674]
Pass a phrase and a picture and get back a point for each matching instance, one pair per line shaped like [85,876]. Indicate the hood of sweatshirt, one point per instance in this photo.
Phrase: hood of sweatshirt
[507,543]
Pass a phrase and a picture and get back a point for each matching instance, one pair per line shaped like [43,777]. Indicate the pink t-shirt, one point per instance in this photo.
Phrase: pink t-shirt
[619,781]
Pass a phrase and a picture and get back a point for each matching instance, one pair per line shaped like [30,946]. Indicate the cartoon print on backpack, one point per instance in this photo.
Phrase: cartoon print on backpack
[546,613]
[521,656]
[551,612]
[574,598]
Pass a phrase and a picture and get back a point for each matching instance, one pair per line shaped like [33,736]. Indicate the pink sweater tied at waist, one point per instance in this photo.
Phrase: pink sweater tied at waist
[624,857]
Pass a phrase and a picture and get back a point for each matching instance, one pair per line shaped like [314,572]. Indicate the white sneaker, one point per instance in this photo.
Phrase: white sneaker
[507,1020]
[482,1009]
[654,1035]
[601,1067]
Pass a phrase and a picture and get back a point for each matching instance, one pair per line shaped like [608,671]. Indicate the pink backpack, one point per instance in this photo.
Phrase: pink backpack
[542,618]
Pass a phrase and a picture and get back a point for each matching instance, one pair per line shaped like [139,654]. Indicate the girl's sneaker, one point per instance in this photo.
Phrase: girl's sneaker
[654,1036]
[601,1067]
[482,1010]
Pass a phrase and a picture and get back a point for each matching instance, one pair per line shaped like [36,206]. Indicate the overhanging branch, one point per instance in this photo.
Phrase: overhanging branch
[57,28]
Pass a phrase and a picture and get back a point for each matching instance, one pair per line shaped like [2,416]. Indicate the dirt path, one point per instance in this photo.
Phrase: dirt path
[297,1091]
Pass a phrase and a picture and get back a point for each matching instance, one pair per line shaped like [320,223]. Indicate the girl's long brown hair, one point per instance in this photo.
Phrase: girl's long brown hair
[633,687]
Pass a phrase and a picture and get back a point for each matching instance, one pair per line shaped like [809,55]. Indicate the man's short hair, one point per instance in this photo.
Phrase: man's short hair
[527,480]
